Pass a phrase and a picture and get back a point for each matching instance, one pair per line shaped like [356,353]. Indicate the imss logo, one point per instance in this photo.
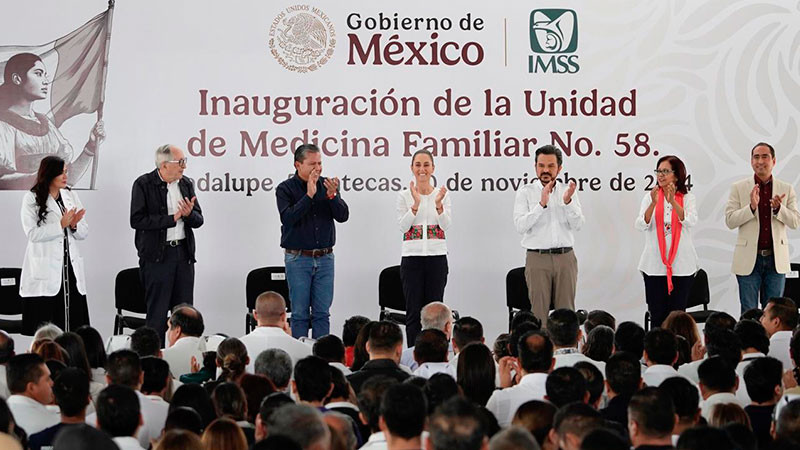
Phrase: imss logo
[554,40]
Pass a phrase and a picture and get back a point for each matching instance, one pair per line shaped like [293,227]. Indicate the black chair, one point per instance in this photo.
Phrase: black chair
[792,288]
[699,295]
[261,280]
[390,296]
[10,301]
[129,296]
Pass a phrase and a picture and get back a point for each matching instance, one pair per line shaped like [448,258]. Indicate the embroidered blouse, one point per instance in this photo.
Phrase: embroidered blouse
[424,233]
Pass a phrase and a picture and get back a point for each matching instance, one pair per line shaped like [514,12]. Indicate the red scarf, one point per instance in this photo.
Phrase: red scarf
[676,235]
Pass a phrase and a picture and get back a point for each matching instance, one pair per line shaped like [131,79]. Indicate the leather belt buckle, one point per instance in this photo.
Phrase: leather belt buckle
[174,243]
[767,252]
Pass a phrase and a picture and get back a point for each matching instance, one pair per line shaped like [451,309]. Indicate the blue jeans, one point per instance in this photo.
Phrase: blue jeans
[310,288]
[764,280]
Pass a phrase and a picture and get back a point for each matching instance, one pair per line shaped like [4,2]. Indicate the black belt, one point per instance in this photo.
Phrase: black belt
[767,252]
[548,251]
[311,253]
[175,242]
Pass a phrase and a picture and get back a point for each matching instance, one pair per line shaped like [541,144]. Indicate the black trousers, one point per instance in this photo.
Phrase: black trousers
[424,279]
[659,303]
[167,283]
[37,311]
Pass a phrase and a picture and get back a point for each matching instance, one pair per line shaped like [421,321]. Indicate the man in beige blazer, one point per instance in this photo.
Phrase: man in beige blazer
[761,257]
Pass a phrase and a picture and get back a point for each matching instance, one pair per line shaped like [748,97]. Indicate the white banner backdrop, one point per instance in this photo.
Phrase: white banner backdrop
[623,83]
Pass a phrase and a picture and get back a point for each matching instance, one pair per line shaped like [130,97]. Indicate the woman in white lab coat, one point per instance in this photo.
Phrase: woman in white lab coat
[52,284]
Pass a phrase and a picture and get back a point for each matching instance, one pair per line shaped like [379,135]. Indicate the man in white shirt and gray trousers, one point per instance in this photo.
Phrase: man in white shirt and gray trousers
[546,212]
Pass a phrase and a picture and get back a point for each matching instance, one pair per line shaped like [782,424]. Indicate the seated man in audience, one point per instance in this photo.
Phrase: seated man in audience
[623,379]
[145,342]
[660,353]
[535,362]
[763,382]
[566,385]
[754,340]
[31,389]
[369,403]
[456,424]
[302,424]
[83,437]
[384,346]
[331,349]
[184,330]
[71,389]
[119,415]
[536,416]
[629,337]
[342,430]
[651,419]
[156,380]
[269,405]
[430,353]
[6,352]
[595,383]
[686,400]
[513,438]
[124,367]
[273,330]
[718,383]
[402,416]
[340,401]
[565,331]
[466,330]
[436,316]
[276,365]
[572,423]
[779,319]
[717,321]
[349,334]
[312,381]
[787,425]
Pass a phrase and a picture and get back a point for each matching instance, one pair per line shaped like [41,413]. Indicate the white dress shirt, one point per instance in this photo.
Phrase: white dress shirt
[173,199]
[741,392]
[656,374]
[31,415]
[551,227]
[154,416]
[342,368]
[265,337]
[426,216]
[407,357]
[376,441]
[685,262]
[179,356]
[430,369]
[689,370]
[127,443]
[568,357]
[504,403]
[721,398]
[779,348]
[4,392]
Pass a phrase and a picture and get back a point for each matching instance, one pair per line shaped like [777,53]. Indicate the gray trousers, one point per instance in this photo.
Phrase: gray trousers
[550,278]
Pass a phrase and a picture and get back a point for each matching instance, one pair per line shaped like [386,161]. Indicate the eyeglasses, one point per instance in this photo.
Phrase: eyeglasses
[180,162]
[664,172]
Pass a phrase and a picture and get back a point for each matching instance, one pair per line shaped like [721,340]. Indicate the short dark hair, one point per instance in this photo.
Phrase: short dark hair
[439,388]
[330,348]
[763,144]
[716,374]
[385,336]
[787,425]
[341,387]
[522,316]
[705,438]
[196,397]
[82,436]
[301,152]
[145,342]
[312,376]
[118,410]
[156,372]
[594,379]
[456,424]
[537,417]
[229,400]
[661,346]
[624,373]
[718,320]
[761,376]
[124,367]
[604,439]
[565,385]
[679,170]
[785,309]
[549,150]
[629,337]
[752,314]
[184,418]
[404,409]
[563,327]
[653,411]
[742,435]
[599,343]
[272,403]
[369,398]
[430,346]
[752,335]
[467,330]
[725,344]
[95,347]
[351,328]
[599,317]
[188,318]
[23,369]
[535,350]
[577,418]
[517,333]
[71,390]
[684,395]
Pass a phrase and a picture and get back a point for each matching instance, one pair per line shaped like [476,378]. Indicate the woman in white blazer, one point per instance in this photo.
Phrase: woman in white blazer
[52,284]
[669,260]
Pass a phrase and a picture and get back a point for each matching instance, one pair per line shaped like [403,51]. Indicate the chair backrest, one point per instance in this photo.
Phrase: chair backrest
[792,287]
[699,294]
[263,279]
[517,289]
[390,289]
[10,301]
[129,292]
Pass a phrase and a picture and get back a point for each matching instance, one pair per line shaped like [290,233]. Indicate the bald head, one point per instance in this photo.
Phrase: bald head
[437,316]
[270,309]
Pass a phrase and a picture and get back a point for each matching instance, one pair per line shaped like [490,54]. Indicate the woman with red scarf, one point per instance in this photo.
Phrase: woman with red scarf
[669,260]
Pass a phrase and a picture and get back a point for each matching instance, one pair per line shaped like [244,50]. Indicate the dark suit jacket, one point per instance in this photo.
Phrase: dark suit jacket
[150,219]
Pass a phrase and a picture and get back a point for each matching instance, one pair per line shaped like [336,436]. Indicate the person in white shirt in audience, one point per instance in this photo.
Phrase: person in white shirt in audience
[276,365]
[651,419]
[565,331]
[718,384]
[31,389]
[686,400]
[342,399]
[755,344]
[369,403]
[71,390]
[660,353]
[534,363]
[119,415]
[779,319]
[716,322]
[124,367]
[273,330]
[6,352]
[155,382]
[184,330]
[402,416]
[434,315]
[466,330]
[331,349]
[430,353]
